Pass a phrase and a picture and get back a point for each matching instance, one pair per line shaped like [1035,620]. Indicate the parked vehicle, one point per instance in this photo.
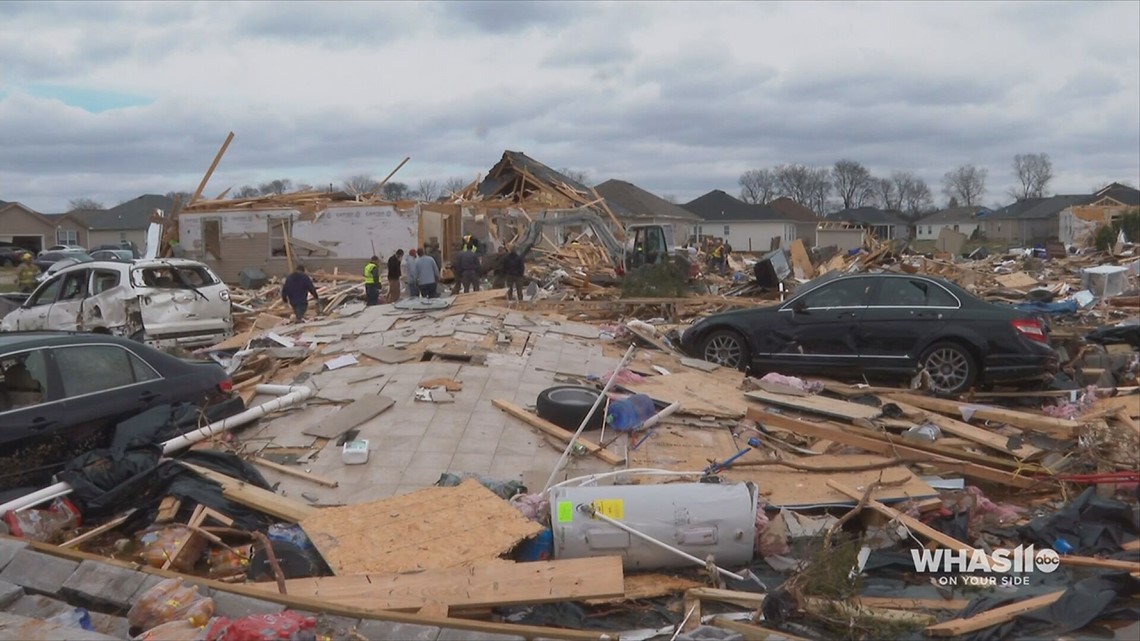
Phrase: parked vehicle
[113,254]
[64,248]
[46,259]
[11,254]
[164,302]
[880,324]
[62,393]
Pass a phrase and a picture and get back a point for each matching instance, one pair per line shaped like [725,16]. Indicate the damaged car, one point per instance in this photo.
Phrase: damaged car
[880,325]
[63,393]
[162,302]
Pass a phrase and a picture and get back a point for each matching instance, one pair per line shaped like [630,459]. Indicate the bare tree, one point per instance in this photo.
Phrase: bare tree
[853,183]
[914,195]
[757,186]
[247,191]
[1034,172]
[455,184]
[361,184]
[886,195]
[181,196]
[575,175]
[427,189]
[303,187]
[84,203]
[966,183]
[809,186]
[394,190]
[276,186]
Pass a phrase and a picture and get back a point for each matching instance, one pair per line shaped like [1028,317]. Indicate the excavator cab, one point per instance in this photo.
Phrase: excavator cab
[646,245]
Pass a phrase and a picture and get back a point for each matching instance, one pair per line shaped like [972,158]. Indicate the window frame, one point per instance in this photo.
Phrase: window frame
[788,306]
[53,384]
[878,293]
[130,353]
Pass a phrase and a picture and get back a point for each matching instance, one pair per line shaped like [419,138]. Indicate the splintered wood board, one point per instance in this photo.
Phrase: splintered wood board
[785,487]
[699,393]
[357,412]
[976,434]
[431,529]
[255,497]
[818,405]
[683,449]
[648,586]
[477,586]
[801,264]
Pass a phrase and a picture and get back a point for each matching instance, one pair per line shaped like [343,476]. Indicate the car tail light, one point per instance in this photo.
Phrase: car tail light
[1030,329]
[226,386]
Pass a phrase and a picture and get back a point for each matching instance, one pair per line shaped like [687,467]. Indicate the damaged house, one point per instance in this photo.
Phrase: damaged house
[634,205]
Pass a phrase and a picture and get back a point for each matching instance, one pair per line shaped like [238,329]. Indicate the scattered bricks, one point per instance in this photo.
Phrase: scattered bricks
[99,584]
[36,606]
[236,606]
[148,582]
[391,630]
[8,550]
[110,625]
[37,572]
[472,635]
[9,592]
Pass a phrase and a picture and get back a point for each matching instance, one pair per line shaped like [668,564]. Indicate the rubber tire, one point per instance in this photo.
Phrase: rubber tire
[567,405]
[745,352]
[971,366]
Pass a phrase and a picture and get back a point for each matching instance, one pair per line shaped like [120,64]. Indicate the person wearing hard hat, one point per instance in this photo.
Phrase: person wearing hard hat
[26,274]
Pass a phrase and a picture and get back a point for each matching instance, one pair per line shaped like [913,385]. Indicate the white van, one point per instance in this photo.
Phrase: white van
[163,302]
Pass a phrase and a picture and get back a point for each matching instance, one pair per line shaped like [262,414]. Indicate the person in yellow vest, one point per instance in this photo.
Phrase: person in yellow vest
[469,243]
[26,274]
[371,286]
[719,260]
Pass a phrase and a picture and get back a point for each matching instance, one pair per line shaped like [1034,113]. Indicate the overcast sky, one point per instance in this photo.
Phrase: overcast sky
[113,100]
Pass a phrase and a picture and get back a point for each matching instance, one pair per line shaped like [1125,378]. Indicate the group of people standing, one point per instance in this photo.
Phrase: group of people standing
[419,272]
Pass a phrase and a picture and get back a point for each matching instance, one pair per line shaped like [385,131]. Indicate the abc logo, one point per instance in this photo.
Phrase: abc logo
[1046,560]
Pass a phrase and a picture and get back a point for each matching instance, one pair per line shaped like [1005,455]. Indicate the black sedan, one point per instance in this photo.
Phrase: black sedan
[62,393]
[45,260]
[880,324]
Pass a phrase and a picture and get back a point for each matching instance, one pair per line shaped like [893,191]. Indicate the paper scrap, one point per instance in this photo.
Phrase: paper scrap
[343,360]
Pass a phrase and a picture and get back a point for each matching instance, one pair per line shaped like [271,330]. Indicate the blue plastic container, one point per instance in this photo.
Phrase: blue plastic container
[540,548]
[628,413]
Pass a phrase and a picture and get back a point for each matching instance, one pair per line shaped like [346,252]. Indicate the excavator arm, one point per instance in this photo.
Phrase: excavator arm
[599,227]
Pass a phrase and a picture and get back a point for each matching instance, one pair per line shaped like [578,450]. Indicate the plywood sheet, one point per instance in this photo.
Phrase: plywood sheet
[700,393]
[487,585]
[434,528]
[1016,280]
[802,268]
[388,354]
[683,449]
[818,405]
[359,411]
[649,586]
[785,487]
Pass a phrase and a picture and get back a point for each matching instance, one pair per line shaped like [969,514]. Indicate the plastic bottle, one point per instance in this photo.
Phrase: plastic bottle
[628,413]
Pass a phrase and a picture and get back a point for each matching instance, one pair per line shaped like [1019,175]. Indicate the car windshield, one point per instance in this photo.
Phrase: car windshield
[181,276]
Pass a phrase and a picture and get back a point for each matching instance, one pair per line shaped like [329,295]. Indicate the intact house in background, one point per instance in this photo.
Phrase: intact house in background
[1078,224]
[326,236]
[125,223]
[633,206]
[965,220]
[747,228]
[1030,221]
[883,225]
[34,231]
[805,219]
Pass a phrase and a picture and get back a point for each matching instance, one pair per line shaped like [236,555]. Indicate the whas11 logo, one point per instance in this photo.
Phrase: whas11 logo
[975,567]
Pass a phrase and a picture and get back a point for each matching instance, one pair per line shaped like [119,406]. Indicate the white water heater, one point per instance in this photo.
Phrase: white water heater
[697,518]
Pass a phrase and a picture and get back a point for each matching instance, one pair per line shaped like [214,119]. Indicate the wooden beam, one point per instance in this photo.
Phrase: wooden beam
[735,597]
[903,603]
[392,173]
[752,632]
[106,527]
[818,405]
[294,472]
[255,497]
[288,247]
[1053,426]
[989,618]
[210,171]
[849,436]
[490,585]
[971,432]
[556,431]
[1104,564]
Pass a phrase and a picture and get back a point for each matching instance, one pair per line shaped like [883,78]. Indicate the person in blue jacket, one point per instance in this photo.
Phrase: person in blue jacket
[296,292]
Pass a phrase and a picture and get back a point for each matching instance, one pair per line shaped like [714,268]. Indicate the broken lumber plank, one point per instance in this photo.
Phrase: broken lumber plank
[168,509]
[818,405]
[1047,424]
[255,497]
[989,618]
[106,527]
[296,473]
[735,597]
[486,585]
[752,632]
[359,411]
[903,603]
[1131,545]
[914,524]
[848,436]
[1104,564]
[562,435]
[802,268]
[850,610]
[971,432]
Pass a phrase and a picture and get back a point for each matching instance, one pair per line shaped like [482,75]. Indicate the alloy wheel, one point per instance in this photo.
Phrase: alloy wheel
[949,369]
[724,350]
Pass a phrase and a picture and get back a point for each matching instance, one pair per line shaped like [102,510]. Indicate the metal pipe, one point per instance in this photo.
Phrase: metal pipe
[598,401]
[288,395]
[648,539]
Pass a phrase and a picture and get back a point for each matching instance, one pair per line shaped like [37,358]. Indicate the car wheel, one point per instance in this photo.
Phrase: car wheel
[567,405]
[725,347]
[951,368]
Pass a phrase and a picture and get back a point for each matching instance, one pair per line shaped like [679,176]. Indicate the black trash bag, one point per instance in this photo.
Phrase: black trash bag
[1091,524]
[295,562]
[164,422]
[1115,335]
[106,482]
[1081,604]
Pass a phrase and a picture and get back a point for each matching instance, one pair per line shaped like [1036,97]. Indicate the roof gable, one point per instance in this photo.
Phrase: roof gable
[794,210]
[639,202]
[1037,208]
[719,206]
